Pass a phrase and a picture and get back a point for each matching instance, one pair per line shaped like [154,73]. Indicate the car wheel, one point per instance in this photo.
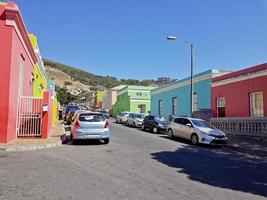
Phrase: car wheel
[155,130]
[194,139]
[134,124]
[106,141]
[170,133]
[120,121]
[143,127]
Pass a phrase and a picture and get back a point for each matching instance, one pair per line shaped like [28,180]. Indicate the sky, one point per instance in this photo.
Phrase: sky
[127,38]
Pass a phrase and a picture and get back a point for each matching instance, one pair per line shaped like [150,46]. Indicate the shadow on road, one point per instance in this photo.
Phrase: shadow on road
[218,168]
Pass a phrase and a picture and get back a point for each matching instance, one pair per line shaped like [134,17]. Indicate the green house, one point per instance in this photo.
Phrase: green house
[133,99]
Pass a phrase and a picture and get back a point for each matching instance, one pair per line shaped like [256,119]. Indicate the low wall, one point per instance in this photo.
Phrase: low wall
[246,126]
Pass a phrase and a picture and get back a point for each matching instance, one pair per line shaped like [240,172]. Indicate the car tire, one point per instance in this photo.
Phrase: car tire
[155,129]
[170,133]
[120,121]
[194,139]
[106,141]
[143,127]
[134,125]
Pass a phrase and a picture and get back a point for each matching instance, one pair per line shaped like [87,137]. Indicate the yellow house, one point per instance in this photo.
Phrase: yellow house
[40,80]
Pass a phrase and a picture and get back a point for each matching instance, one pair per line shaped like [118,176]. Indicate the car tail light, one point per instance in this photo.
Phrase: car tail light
[76,125]
[106,124]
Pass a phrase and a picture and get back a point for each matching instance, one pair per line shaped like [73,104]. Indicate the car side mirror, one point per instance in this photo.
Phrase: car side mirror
[188,124]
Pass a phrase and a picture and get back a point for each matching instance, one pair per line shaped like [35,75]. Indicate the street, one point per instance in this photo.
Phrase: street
[134,165]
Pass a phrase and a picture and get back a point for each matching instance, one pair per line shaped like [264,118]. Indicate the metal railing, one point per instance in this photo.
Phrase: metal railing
[247,126]
[29,118]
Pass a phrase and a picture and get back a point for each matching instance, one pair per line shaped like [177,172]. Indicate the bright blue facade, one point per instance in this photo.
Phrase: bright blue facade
[181,90]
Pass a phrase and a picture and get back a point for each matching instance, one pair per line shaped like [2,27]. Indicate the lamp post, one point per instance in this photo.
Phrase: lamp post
[171,37]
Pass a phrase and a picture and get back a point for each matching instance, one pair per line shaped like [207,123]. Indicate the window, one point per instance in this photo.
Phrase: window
[178,120]
[21,76]
[160,107]
[174,105]
[220,107]
[256,104]
[142,108]
[195,108]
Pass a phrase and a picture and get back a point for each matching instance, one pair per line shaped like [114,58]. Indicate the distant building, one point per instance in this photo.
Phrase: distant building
[133,99]
[240,94]
[174,98]
[110,97]
[98,99]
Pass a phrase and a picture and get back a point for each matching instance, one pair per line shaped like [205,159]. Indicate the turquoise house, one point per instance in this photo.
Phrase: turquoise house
[174,98]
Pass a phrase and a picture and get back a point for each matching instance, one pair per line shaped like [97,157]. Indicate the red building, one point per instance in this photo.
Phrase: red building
[240,94]
[17,60]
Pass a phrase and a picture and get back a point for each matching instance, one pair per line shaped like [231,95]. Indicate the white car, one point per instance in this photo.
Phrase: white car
[196,130]
[135,120]
[122,117]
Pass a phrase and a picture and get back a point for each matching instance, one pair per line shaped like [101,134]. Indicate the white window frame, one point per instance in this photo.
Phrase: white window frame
[252,114]
[174,105]
[160,107]
[219,106]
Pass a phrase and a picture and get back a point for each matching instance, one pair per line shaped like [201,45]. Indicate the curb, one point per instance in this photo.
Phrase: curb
[30,147]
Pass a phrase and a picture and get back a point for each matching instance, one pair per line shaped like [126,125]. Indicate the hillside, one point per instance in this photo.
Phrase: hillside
[64,75]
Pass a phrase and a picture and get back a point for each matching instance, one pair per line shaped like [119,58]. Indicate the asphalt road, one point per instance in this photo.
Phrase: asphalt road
[135,165]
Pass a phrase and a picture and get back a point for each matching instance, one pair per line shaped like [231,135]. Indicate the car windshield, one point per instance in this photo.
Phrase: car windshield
[202,124]
[125,114]
[91,117]
[139,116]
[160,119]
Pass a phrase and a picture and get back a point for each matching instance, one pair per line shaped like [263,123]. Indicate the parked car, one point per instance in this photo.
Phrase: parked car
[122,117]
[68,108]
[135,120]
[156,124]
[104,112]
[196,130]
[90,125]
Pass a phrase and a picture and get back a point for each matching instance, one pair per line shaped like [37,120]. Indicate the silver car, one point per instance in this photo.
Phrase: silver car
[196,130]
[135,120]
[122,117]
[90,125]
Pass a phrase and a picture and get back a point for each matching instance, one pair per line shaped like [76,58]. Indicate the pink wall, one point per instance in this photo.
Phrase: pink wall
[12,49]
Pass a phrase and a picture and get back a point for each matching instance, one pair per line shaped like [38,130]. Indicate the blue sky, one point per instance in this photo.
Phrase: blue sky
[127,38]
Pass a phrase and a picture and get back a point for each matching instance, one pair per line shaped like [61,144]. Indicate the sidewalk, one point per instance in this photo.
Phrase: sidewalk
[247,145]
[25,144]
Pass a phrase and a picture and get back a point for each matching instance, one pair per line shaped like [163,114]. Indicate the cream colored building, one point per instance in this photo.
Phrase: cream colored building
[110,97]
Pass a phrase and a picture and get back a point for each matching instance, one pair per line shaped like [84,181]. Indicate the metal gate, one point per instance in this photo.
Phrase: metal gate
[29,116]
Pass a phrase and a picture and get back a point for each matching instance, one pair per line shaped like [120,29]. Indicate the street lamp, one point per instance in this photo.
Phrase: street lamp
[171,37]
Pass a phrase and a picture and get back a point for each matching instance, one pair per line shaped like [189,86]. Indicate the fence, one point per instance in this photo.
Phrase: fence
[29,117]
[242,126]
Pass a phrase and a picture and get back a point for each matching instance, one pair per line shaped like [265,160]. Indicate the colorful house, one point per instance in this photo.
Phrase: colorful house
[98,99]
[240,94]
[133,99]
[174,99]
[110,97]
[40,78]
[55,104]
[22,114]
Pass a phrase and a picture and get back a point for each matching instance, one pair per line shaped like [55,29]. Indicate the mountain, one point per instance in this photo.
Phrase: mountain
[68,76]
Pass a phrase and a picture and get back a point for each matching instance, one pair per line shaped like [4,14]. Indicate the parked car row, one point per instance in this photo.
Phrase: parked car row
[198,131]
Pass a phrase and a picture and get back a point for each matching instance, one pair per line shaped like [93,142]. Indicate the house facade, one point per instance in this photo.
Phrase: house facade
[25,111]
[110,97]
[240,94]
[40,78]
[174,99]
[133,99]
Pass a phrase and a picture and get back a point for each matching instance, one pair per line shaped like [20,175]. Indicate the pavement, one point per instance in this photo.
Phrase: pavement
[29,144]
[135,165]
[250,146]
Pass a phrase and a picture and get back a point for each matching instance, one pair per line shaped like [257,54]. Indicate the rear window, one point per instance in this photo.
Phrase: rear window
[91,117]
